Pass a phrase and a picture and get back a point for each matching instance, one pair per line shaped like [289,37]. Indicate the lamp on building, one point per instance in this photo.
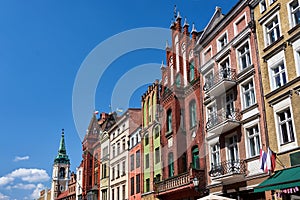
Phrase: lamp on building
[196,183]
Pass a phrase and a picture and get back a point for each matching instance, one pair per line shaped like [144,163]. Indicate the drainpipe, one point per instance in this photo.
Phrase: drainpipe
[259,75]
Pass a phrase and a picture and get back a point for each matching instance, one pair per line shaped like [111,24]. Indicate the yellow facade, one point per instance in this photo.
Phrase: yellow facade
[278,39]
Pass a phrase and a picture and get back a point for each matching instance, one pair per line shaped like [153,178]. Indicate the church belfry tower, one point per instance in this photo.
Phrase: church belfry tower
[60,172]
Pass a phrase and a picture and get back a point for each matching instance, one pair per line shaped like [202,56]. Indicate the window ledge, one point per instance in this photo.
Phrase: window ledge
[169,133]
[273,44]
[251,158]
[293,29]
[255,105]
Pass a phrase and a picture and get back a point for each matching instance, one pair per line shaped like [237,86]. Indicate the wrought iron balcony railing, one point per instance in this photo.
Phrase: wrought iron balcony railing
[228,167]
[179,180]
[221,116]
[222,75]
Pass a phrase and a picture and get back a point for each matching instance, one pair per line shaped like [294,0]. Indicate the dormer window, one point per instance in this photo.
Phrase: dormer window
[222,41]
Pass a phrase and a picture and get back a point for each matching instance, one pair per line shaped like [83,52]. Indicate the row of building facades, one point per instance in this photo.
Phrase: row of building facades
[225,93]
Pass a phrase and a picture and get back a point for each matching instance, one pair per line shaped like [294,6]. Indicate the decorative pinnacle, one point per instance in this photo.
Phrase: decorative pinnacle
[178,16]
[167,44]
[194,29]
[185,22]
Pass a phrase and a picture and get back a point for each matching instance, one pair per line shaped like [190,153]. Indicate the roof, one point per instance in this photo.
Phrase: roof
[281,179]
[62,195]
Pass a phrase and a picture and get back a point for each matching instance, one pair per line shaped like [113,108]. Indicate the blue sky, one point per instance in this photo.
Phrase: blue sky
[42,46]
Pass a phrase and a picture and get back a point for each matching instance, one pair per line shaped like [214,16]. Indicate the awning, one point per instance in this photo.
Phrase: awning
[214,197]
[281,179]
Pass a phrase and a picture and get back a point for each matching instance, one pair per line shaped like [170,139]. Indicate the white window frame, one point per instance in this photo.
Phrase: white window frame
[281,106]
[215,110]
[242,90]
[217,152]
[291,13]
[246,127]
[220,65]
[296,49]
[224,35]
[238,55]
[238,21]
[262,7]
[280,74]
[206,76]
[208,49]
[228,157]
[271,2]
[267,32]
[273,62]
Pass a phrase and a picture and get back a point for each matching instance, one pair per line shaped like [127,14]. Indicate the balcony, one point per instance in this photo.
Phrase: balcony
[221,122]
[228,171]
[179,181]
[220,82]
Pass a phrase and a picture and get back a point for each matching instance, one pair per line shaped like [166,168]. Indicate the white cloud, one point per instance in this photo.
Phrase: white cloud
[30,175]
[21,186]
[36,192]
[4,197]
[18,158]
[4,180]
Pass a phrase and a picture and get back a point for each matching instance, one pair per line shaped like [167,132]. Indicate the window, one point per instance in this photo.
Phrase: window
[113,193]
[118,193]
[132,186]
[113,173]
[295,12]
[105,151]
[229,105]
[215,155]
[262,5]
[207,55]
[148,185]
[248,94]
[240,25]
[271,1]
[104,194]
[278,75]
[157,155]
[233,148]
[222,41]
[123,192]
[118,148]
[225,71]
[195,155]
[114,151]
[132,162]
[169,120]
[285,123]
[244,56]
[118,170]
[156,132]
[193,117]
[61,173]
[253,140]
[212,114]
[272,30]
[192,71]
[209,81]
[146,138]
[123,145]
[297,55]
[104,172]
[178,80]
[138,158]
[138,183]
[123,168]
[171,164]
[147,161]
[149,110]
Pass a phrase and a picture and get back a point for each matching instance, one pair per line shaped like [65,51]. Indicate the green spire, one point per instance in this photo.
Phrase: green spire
[62,156]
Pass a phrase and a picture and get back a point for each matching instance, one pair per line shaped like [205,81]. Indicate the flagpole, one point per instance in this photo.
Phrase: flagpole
[280,163]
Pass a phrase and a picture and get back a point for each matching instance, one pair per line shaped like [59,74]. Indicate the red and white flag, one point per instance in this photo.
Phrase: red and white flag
[271,160]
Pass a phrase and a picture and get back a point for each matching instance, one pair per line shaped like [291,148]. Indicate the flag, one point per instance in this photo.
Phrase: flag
[262,160]
[270,161]
[96,112]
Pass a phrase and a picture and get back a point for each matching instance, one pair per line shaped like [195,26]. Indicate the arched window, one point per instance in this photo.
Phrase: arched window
[192,71]
[169,120]
[195,156]
[96,160]
[171,164]
[61,173]
[193,115]
[149,110]
[145,113]
[178,80]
